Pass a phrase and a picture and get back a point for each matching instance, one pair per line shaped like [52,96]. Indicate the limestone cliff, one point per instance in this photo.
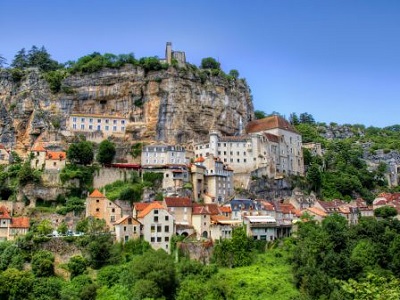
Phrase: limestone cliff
[171,106]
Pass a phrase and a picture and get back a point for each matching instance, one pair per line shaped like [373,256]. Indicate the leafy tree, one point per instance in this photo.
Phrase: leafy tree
[99,250]
[62,228]
[43,264]
[77,265]
[210,63]
[234,73]
[294,119]
[15,284]
[151,64]
[306,118]
[2,61]
[20,60]
[11,257]
[385,212]
[47,288]
[314,177]
[44,227]
[80,287]
[259,114]
[106,152]
[151,275]
[81,153]
[28,175]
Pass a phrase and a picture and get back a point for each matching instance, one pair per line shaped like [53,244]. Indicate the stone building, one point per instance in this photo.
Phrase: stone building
[127,228]
[106,124]
[158,225]
[289,158]
[98,206]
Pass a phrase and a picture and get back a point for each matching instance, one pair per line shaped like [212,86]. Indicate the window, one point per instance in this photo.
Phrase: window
[122,128]
[159,228]
[82,126]
[106,128]
[90,127]
[124,228]
[114,128]
[126,238]
[152,239]
[90,120]
[156,211]
[166,228]
[74,119]
[166,239]
[82,119]
[122,121]
[98,127]
[54,164]
[97,209]
[156,219]
[97,201]
[166,218]
[112,219]
[107,121]
[114,121]
[74,126]
[98,120]
[159,239]
[113,210]
[153,228]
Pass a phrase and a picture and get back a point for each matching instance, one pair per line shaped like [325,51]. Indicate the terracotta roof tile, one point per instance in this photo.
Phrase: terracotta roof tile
[268,123]
[141,206]
[225,209]
[56,155]
[149,208]
[316,211]
[4,214]
[200,210]
[272,137]
[213,209]
[2,147]
[20,222]
[123,219]
[200,159]
[177,202]
[96,194]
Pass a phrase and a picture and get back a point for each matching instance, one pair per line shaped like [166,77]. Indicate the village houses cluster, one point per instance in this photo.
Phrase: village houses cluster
[199,185]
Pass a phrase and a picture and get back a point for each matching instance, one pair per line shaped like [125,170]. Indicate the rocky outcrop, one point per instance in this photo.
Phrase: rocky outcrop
[171,106]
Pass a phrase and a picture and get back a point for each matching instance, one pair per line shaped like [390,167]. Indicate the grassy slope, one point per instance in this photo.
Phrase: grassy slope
[270,277]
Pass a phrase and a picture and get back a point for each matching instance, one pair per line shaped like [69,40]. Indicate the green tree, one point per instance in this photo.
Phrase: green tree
[2,61]
[314,177]
[15,284]
[20,60]
[77,266]
[106,152]
[62,228]
[43,263]
[294,119]
[47,288]
[210,63]
[385,212]
[81,153]
[234,73]
[44,227]
[259,114]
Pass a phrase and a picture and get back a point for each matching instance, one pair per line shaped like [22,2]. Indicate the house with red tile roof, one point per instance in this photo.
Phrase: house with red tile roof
[221,227]
[180,208]
[127,228]
[55,160]
[201,218]
[158,225]
[38,154]
[19,226]
[11,227]
[98,206]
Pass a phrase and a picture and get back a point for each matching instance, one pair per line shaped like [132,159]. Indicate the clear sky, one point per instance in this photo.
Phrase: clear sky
[338,60]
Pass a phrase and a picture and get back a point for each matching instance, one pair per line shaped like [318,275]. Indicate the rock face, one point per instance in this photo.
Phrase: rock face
[172,106]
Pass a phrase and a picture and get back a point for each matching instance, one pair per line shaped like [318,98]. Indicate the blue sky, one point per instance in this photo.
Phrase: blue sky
[338,60]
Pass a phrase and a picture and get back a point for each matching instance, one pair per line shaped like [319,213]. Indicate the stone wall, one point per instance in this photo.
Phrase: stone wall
[109,175]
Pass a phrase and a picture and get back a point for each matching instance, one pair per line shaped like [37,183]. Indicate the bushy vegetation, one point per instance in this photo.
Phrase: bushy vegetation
[331,259]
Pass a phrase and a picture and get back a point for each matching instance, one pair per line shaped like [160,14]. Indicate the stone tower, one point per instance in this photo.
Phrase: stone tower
[168,52]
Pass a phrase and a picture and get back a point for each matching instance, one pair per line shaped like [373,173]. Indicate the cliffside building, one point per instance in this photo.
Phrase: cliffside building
[107,125]
[98,206]
[169,160]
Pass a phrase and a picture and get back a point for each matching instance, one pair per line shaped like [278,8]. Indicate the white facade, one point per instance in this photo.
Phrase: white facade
[161,155]
[107,124]
[158,226]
